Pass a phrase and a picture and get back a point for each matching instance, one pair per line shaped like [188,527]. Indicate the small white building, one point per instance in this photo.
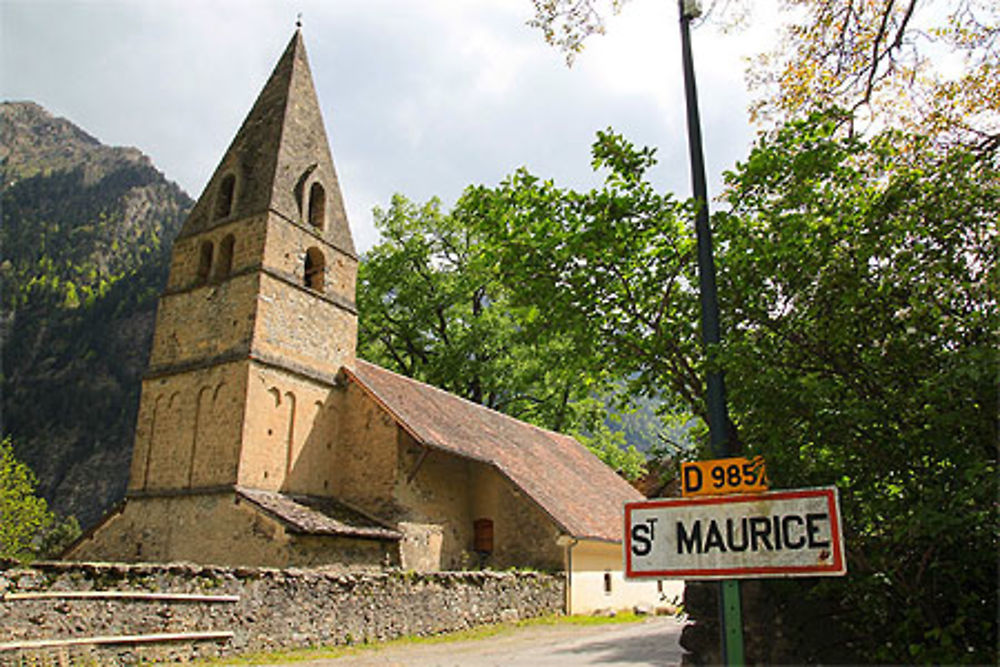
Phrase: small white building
[596,582]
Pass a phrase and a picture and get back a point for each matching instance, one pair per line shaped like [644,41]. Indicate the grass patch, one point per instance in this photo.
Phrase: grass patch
[471,634]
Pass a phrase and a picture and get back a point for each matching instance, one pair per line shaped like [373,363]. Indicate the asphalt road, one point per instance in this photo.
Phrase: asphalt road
[650,642]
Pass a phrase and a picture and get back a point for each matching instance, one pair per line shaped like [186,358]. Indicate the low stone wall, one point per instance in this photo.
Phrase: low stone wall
[262,608]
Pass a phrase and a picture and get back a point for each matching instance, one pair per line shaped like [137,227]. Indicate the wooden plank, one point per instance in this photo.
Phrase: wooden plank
[117,639]
[120,595]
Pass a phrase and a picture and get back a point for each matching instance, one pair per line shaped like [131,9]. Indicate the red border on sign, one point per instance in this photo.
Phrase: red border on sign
[835,567]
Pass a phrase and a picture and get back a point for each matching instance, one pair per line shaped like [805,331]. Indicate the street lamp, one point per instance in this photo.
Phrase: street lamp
[730,616]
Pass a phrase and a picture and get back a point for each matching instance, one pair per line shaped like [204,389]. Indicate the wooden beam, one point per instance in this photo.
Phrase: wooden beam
[119,595]
[117,639]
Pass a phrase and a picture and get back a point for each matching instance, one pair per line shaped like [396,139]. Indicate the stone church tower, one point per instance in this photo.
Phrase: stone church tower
[241,407]
[259,306]
[262,440]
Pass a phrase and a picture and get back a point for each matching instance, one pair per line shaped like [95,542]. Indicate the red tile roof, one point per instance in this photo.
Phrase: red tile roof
[581,494]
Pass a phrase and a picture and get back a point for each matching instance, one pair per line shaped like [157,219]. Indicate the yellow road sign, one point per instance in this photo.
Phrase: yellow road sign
[723,476]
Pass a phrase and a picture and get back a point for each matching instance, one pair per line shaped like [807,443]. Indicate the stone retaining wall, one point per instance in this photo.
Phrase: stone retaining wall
[274,608]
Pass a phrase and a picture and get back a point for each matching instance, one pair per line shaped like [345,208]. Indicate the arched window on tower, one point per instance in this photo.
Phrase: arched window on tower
[224,198]
[317,206]
[225,257]
[205,261]
[314,270]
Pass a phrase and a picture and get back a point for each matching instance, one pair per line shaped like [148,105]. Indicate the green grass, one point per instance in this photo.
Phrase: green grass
[472,634]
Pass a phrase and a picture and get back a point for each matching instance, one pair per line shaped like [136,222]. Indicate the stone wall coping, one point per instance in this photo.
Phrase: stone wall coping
[244,572]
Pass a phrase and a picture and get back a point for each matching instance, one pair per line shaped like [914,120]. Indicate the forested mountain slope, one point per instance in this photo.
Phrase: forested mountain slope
[84,251]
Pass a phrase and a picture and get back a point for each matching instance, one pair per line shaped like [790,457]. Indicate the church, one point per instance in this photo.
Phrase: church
[262,440]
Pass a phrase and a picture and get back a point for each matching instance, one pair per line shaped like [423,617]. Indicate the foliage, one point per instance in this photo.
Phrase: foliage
[64,533]
[607,268]
[84,257]
[566,24]
[23,516]
[434,308]
[27,528]
[862,281]
[932,69]
[611,447]
[888,63]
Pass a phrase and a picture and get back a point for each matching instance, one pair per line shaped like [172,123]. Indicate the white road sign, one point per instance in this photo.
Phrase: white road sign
[773,534]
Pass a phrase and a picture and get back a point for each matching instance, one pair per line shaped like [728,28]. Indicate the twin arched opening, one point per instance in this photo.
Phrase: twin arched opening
[215,266]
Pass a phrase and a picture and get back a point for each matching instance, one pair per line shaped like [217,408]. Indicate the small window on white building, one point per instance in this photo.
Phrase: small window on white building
[607,583]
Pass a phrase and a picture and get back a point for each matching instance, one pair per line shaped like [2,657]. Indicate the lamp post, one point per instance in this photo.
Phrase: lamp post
[730,616]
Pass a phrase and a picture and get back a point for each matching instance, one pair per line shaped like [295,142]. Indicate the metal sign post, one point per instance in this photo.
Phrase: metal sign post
[731,618]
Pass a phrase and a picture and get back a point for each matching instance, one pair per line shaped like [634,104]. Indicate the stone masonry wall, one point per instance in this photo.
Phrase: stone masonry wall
[275,608]
[189,427]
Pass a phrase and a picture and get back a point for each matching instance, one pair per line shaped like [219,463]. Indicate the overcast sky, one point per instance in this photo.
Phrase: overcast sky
[420,97]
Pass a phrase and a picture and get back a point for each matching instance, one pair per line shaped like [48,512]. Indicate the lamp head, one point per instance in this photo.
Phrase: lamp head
[690,9]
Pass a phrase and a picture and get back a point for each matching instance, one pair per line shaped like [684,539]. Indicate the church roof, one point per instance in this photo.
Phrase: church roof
[579,492]
[311,515]
[281,146]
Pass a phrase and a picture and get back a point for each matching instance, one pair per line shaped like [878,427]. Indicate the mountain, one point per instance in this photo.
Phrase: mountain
[84,252]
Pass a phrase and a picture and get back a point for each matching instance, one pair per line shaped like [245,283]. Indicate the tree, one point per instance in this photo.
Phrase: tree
[25,519]
[608,268]
[880,59]
[861,283]
[861,280]
[566,24]
[433,308]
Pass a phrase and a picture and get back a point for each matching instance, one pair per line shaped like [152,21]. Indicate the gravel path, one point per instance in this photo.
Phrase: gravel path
[650,642]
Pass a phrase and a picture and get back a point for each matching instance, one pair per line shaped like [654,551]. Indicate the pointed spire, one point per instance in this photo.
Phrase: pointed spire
[278,153]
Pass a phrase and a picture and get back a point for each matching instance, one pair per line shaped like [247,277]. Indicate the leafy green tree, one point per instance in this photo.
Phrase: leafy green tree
[24,517]
[57,539]
[860,281]
[434,308]
[612,448]
[609,269]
